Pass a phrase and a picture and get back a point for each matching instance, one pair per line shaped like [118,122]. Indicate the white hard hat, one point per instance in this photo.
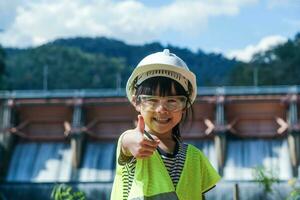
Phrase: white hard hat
[162,64]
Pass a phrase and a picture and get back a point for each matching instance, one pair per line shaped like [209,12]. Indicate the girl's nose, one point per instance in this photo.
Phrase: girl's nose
[161,108]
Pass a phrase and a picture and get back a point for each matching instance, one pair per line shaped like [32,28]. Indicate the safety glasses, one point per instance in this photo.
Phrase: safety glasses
[170,103]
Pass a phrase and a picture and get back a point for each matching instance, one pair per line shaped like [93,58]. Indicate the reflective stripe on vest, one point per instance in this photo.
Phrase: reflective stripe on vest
[163,196]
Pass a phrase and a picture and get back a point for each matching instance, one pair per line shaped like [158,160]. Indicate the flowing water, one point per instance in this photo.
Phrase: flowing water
[37,166]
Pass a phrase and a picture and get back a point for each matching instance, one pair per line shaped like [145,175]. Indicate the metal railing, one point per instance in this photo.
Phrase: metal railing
[202,91]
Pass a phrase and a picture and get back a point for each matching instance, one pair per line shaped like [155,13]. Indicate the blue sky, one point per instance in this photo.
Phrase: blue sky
[235,28]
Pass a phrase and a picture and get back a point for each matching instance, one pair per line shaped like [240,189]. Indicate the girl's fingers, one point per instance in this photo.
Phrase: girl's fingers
[150,143]
[147,149]
[140,124]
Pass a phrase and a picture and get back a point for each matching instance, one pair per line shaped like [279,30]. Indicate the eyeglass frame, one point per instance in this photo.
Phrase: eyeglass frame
[178,107]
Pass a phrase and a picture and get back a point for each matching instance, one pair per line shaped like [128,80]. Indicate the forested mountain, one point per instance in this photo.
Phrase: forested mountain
[67,68]
[79,63]
[2,67]
[277,66]
[82,63]
[211,69]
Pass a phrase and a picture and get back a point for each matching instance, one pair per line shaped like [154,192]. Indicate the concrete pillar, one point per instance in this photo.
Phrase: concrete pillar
[293,137]
[7,118]
[220,134]
[236,194]
[77,137]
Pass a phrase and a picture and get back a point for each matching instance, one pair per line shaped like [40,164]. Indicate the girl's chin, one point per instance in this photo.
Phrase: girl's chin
[160,128]
[160,131]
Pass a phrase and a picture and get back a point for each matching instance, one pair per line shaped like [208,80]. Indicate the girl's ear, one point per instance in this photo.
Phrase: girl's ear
[136,104]
[183,111]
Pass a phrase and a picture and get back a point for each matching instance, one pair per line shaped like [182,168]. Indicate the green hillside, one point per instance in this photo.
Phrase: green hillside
[83,63]
[277,66]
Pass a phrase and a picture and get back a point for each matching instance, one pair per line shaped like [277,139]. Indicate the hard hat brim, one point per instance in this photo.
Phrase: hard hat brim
[190,76]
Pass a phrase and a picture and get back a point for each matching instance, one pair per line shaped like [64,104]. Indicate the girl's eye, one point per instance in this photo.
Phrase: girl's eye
[172,100]
[152,100]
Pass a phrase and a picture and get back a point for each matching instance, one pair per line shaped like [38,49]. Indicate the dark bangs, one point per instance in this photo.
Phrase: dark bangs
[149,87]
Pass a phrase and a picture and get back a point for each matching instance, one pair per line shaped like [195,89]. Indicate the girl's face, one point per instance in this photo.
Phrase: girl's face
[161,119]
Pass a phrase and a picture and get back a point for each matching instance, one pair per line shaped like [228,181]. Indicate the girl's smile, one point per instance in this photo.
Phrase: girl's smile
[161,120]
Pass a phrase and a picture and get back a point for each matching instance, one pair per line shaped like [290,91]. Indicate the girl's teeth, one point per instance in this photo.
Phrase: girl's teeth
[161,120]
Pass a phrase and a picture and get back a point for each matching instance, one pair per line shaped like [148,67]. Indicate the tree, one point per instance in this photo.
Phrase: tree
[2,67]
[68,68]
[276,66]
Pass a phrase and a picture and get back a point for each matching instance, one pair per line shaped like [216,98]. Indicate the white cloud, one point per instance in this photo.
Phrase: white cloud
[8,12]
[131,21]
[263,45]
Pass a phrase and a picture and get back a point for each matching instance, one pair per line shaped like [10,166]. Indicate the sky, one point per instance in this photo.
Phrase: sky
[235,28]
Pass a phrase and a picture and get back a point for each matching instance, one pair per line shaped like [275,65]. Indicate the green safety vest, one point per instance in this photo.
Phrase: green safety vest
[153,182]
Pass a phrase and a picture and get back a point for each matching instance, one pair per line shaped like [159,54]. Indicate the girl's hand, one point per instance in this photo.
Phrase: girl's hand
[134,143]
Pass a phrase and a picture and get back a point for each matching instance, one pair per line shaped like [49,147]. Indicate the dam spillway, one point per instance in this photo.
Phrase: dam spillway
[70,136]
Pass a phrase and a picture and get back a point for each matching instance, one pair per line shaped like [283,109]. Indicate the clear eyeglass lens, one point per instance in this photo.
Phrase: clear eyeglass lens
[171,103]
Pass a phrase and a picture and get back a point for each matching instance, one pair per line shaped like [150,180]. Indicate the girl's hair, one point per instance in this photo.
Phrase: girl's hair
[149,87]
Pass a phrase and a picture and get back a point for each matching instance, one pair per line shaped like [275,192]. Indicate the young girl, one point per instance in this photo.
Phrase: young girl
[152,161]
